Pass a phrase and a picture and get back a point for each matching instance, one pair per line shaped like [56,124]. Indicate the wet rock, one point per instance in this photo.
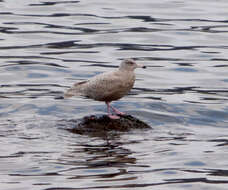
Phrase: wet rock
[95,124]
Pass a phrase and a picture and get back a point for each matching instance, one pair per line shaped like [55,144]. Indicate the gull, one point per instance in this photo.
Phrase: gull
[108,86]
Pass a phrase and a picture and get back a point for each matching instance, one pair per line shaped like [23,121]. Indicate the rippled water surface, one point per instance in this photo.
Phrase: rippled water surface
[46,46]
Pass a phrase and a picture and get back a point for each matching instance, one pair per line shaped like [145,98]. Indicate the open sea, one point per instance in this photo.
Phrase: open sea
[47,45]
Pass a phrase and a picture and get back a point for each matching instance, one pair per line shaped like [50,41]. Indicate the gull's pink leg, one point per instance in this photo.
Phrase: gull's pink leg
[117,111]
[111,116]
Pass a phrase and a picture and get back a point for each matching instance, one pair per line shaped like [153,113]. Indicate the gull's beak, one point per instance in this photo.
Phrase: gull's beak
[141,66]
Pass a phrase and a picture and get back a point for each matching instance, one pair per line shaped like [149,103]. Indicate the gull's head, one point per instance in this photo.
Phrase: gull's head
[130,65]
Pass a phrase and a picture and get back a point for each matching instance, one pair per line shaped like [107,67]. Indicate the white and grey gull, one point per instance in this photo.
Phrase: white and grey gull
[108,86]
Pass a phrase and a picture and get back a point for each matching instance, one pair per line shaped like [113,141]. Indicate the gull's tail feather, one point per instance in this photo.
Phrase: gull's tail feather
[72,92]
[75,90]
[69,93]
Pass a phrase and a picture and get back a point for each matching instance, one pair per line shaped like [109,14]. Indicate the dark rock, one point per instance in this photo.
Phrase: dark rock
[94,125]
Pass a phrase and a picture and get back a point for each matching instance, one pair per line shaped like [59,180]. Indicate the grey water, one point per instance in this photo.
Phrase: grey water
[47,45]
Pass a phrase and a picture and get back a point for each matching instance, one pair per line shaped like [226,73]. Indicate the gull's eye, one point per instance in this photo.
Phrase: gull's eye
[130,63]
